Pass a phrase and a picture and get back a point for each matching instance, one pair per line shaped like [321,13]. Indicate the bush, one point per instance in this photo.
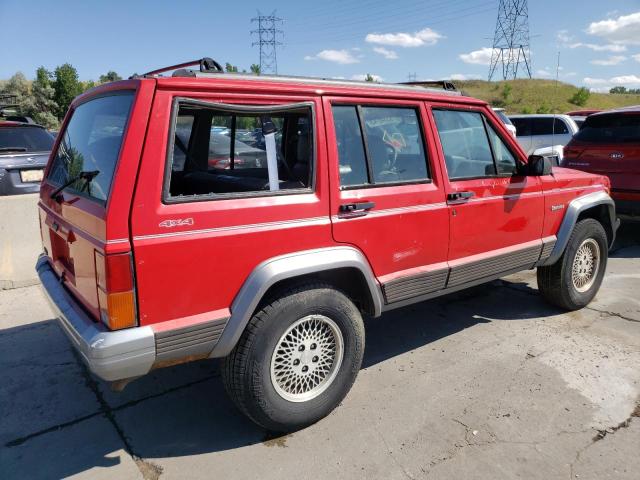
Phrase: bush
[527,111]
[581,97]
[543,109]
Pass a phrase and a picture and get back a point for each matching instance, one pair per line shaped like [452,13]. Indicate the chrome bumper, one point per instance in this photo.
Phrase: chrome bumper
[110,355]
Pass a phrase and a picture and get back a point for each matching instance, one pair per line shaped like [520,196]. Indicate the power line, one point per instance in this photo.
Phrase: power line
[511,47]
[268,43]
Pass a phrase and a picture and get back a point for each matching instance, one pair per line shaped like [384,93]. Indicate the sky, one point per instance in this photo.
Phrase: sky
[598,42]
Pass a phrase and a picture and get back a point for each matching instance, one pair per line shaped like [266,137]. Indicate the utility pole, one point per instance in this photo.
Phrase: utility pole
[511,46]
[412,77]
[268,33]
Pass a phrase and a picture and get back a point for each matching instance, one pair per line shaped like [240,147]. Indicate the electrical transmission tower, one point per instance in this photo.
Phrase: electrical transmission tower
[511,47]
[267,33]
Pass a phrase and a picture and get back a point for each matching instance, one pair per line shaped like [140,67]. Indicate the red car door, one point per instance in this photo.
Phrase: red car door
[387,195]
[496,214]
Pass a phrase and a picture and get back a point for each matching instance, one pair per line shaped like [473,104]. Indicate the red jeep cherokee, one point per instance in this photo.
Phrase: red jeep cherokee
[609,144]
[325,201]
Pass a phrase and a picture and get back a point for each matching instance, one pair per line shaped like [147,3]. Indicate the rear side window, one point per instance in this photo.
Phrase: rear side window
[25,139]
[523,126]
[471,147]
[91,143]
[610,128]
[223,150]
[549,126]
[379,145]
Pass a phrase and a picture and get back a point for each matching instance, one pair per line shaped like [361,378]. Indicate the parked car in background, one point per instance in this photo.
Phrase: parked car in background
[609,144]
[505,119]
[24,151]
[543,130]
[579,116]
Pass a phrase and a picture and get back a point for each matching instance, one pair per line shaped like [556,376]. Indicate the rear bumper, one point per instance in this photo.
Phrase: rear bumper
[110,355]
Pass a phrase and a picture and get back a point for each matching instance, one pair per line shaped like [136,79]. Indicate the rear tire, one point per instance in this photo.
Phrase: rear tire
[573,281]
[297,358]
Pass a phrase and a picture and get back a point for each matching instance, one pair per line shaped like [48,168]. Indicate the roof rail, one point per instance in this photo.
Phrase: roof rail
[206,65]
[444,84]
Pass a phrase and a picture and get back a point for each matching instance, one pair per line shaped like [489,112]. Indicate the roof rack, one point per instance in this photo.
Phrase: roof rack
[444,84]
[206,64]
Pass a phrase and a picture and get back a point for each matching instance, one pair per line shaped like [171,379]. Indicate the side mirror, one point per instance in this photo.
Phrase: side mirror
[539,166]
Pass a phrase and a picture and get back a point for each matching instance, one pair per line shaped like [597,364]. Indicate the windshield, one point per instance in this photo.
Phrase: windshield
[503,117]
[91,142]
[25,139]
[610,128]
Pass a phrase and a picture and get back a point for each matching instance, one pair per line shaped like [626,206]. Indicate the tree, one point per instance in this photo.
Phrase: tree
[618,90]
[255,69]
[17,85]
[110,76]
[40,105]
[581,97]
[369,78]
[66,87]
[230,68]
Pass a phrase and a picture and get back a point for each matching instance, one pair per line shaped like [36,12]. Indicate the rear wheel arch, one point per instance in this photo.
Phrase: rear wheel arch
[344,267]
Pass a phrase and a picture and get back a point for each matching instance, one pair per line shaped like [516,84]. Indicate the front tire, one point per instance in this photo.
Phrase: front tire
[573,281]
[297,359]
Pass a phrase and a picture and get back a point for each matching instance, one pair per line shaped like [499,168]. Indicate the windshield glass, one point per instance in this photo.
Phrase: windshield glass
[611,128]
[25,139]
[91,142]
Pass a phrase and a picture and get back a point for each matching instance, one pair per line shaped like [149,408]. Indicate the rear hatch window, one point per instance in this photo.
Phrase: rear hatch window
[611,128]
[25,139]
[90,145]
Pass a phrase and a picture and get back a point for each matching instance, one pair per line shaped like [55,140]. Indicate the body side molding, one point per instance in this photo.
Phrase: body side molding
[280,268]
[575,207]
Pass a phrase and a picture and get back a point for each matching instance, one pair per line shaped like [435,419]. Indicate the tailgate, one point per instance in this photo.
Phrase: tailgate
[84,203]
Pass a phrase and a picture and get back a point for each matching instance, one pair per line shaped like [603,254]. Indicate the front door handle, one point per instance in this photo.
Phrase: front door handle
[360,209]
[460,195]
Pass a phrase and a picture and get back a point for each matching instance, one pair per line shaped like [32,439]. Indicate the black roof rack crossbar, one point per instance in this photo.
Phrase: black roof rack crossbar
[206,64]
[444,84]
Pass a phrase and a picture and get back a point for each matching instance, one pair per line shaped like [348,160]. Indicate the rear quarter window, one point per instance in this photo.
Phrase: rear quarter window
[91,143]
[614,128]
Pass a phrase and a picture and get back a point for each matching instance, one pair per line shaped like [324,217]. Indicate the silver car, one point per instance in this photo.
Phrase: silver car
[543,130]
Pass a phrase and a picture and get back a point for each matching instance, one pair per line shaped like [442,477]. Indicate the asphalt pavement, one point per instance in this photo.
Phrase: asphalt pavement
[488,383]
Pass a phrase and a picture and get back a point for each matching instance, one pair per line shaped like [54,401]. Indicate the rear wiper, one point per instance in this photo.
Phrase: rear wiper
[86,176]
[13,149]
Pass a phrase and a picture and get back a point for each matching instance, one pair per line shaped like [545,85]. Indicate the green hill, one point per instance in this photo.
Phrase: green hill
[540,96]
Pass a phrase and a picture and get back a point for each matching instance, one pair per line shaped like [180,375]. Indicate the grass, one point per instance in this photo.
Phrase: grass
[542,96]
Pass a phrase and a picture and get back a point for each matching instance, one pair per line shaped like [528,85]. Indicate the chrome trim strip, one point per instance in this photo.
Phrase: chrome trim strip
[304,222]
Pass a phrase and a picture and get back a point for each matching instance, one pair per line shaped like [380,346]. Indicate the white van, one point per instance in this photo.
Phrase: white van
[543,130]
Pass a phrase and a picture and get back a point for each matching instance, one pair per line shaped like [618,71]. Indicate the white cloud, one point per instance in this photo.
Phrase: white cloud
[343,57]
[426,36]
[637,57]
[612,60]
[363,76]
[388,54]
[595,81]
[563,36]
[600,89]
[624,29]
[543,73]
[465,76]
[626,80]
[600,48]
[478,57]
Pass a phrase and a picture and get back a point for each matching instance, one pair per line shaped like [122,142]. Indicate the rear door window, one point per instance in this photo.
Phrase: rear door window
[523,126]
[610,128]
[379,145]
[91,143]
[25,139]
[542,126]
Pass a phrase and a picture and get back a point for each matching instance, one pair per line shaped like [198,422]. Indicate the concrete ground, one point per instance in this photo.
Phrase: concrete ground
[489,383]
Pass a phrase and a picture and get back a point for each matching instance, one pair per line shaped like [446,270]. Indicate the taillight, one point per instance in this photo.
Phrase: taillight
[116,295]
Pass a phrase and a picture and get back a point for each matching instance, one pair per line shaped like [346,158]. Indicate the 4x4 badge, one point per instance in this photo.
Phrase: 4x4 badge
[176,223]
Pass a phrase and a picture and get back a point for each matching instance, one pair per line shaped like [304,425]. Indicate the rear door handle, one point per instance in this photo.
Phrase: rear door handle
[360,209]
[460,195]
